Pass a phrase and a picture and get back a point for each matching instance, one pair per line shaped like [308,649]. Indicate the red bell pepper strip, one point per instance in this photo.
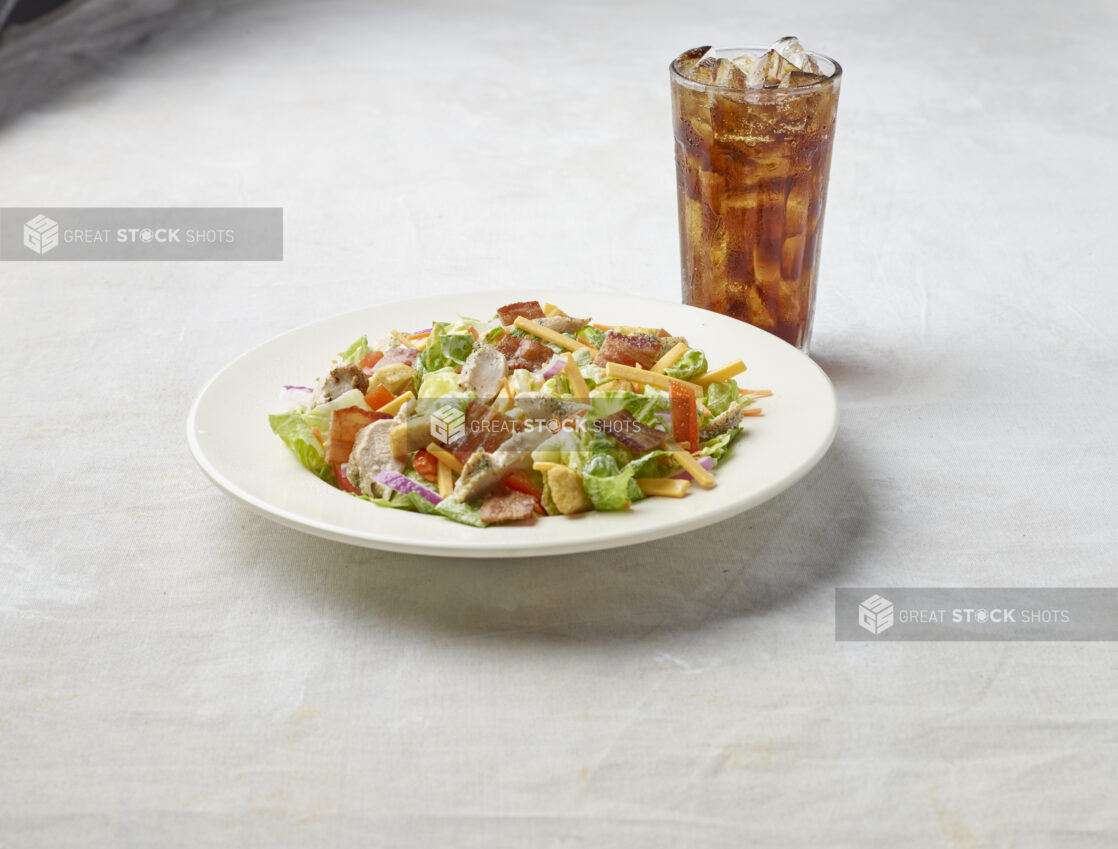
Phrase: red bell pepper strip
[685,415]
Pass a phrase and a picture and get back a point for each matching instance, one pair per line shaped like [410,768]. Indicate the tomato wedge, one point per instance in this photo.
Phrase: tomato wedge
[522,481]
[378,397]
[426,464]
[370,360]
[685,415]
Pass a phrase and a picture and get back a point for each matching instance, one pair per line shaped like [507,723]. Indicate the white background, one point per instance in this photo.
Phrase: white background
[176,671]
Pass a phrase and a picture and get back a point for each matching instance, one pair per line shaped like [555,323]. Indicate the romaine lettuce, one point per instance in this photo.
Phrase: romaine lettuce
[439,388]
[557,386]
[717,446]
[295,429]
[719,396]
[456,511]
[444,349]
[464,323]
[596,443]
[592,335]
[521,380]
[654,464]
[609,487]
[564,447]
[405,501]
[643,407]
[690,365]
[356,352]
[449,508]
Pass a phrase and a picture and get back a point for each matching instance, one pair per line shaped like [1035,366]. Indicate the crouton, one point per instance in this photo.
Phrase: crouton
[395,378]
[565,485]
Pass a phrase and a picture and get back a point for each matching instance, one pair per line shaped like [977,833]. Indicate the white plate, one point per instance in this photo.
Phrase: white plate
[230,438]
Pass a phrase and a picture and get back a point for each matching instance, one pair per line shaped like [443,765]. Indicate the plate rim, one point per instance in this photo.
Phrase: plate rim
[434,546]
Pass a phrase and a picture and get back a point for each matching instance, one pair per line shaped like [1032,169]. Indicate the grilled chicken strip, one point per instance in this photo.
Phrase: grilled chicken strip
[484,372]
[372,453]
[483,471]
[345,377]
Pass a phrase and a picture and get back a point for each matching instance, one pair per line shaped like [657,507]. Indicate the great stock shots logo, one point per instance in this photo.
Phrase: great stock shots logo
[447,422]
[875,614]
[1048,614]
[40,234]
[140,234]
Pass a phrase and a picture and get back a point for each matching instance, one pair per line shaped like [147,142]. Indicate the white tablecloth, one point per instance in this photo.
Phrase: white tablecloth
[177,671]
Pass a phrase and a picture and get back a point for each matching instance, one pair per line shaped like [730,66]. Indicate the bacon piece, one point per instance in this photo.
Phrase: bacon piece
[528,309]
[508,508]
[521,352]
[638,349]
[394,356]
[485,428]
[635,436]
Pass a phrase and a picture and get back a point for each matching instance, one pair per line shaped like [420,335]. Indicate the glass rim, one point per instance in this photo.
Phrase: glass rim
[786,92]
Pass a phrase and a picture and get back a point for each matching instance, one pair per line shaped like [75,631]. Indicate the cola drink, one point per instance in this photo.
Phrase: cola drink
[753,136]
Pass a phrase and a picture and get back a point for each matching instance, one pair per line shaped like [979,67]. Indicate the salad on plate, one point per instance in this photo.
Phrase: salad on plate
[533,413]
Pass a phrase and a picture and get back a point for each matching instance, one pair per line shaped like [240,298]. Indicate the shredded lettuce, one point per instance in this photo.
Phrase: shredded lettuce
[592,335]
[436,384]
[654,464]
[356,352]
[596,443]
[609,487]
[690,365]
[717,446]
[296,431]
[444,349]
[455,510]
[594,375]
[564,447]
[719,396]
[643,407]
[521,380]
[405,501]
[398,500]
[464,324]
[439,388]
[591,373]
[449,508]
[557,386]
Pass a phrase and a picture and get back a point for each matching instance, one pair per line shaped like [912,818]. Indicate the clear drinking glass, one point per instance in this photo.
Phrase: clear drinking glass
[752,166]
